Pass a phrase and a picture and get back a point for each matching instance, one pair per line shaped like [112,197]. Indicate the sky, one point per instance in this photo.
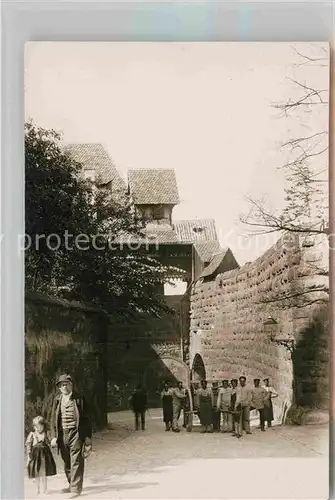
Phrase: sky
[205,110]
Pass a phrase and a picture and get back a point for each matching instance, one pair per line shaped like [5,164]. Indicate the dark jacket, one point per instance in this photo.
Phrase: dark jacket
[82,416]
[233,400]
[138,401]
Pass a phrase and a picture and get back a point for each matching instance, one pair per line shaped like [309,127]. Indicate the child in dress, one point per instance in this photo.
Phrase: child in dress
[40,462]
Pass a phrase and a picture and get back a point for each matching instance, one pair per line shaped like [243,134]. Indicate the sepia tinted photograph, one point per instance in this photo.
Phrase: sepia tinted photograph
[177,338]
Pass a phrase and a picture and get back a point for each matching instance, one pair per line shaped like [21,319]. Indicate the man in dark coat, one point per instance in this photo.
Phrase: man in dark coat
[72,433]
[216,411]
[235,418]
[138,403]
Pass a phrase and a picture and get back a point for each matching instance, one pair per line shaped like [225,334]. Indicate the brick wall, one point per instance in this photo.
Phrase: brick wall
[227,317]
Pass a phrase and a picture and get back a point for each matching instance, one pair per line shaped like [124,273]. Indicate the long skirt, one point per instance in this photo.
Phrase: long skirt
[206,416]
[167,409]
[42,462]
[268,412]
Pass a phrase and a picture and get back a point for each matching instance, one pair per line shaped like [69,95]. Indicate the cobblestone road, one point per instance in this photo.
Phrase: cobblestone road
[288,462]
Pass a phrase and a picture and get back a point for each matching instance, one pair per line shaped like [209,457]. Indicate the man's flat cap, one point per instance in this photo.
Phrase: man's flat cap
[64,378]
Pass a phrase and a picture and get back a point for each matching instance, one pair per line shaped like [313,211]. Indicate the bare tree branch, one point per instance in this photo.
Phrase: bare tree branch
[297,141]
[303,157]
[311,60]
[311,97]
[310,91]
[263,219]
[305,211]
[294,295]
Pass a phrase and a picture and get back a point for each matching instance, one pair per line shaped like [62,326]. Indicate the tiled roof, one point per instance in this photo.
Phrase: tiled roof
[164,233]
[153,187]
[224,257]
[207,249]
[161,233]
[154,234]
[214,263]
[95,157]
[196,231]
[149,187]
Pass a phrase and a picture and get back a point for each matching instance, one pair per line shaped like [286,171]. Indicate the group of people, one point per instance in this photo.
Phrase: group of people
[70,434]
[174,401]
[225,407]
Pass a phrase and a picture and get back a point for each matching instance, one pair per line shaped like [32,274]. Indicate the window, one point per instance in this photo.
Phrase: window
[158,212]
[145,212]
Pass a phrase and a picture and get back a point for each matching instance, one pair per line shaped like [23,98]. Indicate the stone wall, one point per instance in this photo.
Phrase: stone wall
[63,337]
[105,358]
[228,314]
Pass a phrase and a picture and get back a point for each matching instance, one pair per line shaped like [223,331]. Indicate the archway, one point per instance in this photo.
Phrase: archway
[165,368]
[198,369]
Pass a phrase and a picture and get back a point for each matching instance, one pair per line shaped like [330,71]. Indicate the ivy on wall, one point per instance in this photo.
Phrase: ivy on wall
[62,339]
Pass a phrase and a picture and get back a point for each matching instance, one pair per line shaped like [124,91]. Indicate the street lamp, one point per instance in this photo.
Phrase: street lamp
[271,327]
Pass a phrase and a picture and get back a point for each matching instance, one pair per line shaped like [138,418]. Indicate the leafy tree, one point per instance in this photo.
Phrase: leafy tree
[77,235]
[305,212]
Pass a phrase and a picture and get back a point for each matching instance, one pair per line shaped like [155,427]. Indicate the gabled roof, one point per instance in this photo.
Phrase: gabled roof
[214,263]
[95,157]
[207,249]
[153,187]
[149,187]
[220,262]
[196,230]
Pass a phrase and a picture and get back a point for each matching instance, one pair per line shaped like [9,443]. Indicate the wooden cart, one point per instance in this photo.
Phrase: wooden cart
[190,412]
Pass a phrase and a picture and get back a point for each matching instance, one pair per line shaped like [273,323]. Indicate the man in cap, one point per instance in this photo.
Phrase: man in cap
[259,398]
[72,433]
[242,404]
